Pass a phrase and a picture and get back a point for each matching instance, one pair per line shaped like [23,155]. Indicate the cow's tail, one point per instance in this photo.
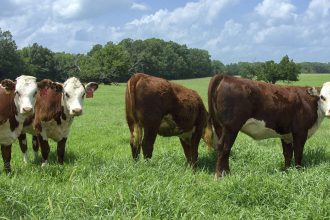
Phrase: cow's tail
[210,128]
[131,116]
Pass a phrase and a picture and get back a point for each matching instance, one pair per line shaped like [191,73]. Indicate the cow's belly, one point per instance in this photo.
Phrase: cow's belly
[168,127]
[7,136]
[51,129]
[257,130]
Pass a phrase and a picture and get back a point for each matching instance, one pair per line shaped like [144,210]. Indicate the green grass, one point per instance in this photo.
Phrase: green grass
[100,180]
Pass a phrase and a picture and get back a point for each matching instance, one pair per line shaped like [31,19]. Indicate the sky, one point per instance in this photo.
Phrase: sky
[231,30]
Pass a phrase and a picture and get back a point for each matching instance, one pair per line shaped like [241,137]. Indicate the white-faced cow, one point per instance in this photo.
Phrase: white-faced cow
[263,110]
[17,100]
[157,106]
[56,106]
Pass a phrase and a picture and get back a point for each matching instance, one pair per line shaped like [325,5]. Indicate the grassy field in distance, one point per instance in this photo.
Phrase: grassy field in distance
[99,179]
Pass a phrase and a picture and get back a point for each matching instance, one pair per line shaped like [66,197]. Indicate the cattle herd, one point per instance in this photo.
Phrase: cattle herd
[46,109]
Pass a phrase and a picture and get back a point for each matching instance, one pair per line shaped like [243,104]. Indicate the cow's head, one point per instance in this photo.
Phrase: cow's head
[324,97]
[73,94]
[25,94]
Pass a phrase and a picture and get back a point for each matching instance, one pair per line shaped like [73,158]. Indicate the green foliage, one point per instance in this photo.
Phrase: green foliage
[217,67]
[117,62]
[11,64]
[314,67]
[100,180]
[40,62]
[268,71]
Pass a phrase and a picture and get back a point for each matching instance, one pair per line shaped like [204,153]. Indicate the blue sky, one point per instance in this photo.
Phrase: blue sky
[231,30]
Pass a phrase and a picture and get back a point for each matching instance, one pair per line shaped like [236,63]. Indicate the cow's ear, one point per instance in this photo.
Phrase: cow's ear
[8,85]
[313,92]
[91,85]
[58,87]
[44,84]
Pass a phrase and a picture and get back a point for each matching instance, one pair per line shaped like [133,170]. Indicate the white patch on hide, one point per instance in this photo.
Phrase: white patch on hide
[7,137]
[51,129]
[257,130]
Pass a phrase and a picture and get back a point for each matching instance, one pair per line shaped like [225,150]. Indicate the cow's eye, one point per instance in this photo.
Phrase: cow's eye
[67,95]
[322,97]
[34,94]
[18,94]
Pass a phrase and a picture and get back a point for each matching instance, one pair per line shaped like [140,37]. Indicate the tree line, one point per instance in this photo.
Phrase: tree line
[117,62]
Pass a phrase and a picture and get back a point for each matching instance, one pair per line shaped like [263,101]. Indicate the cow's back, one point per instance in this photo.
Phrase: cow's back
[147,94]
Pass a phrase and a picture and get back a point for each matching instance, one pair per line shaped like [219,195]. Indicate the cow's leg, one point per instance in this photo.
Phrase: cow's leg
[148,141]
[288,153]
[6,156]
[186,149]
[44,146]
[61,150]
[224,146]
[135,141]
[298,147]
[23,146]
[35,145]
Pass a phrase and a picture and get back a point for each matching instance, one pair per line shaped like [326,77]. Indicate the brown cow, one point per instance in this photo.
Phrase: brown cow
[17,101]
[56,106]
[263,110]
[157,106]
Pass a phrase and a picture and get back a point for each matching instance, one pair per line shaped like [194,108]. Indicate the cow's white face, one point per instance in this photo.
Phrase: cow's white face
[73,95]
[325,99]
[25,94]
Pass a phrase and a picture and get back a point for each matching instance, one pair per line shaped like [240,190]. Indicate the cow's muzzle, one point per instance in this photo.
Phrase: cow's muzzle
[76,112]
[27,110]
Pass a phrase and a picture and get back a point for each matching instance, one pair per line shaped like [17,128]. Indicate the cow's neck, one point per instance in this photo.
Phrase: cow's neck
[319,119]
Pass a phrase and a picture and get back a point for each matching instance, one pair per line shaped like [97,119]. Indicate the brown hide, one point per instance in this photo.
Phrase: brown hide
[284,109]
[157,106]
[7,104]
[48,103]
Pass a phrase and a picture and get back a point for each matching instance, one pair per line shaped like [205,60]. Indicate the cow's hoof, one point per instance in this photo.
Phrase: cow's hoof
[25,158]
[44,164]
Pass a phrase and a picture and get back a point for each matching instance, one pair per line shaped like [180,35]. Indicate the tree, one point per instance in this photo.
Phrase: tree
[217,67]
[288,69]
[11,64]
[269,72]
[40,62]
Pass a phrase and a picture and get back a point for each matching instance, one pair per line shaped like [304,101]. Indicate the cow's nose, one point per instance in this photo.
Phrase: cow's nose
[27,109]
[77,111]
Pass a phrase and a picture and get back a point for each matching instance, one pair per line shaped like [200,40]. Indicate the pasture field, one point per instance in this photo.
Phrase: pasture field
[99,179]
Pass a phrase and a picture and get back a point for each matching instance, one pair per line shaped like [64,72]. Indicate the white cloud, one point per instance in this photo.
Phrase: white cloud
[318,8]
[85,9]
[231,32]
[276,9]
[138,6]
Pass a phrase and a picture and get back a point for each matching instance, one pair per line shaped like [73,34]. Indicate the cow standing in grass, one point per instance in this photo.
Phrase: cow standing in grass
[263,110]
[157,106]
[17,100]
[56,106]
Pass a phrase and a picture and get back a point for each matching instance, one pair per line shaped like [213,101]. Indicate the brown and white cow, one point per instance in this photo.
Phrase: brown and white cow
[17,100]
[56,106]
[263,110]
[157,106]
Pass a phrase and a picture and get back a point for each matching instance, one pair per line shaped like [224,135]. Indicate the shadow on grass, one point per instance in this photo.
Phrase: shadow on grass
[206,162]
[315,156]
[69,158]
[311,158]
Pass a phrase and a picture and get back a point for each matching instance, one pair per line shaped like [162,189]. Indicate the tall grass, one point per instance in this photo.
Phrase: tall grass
[99,179]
